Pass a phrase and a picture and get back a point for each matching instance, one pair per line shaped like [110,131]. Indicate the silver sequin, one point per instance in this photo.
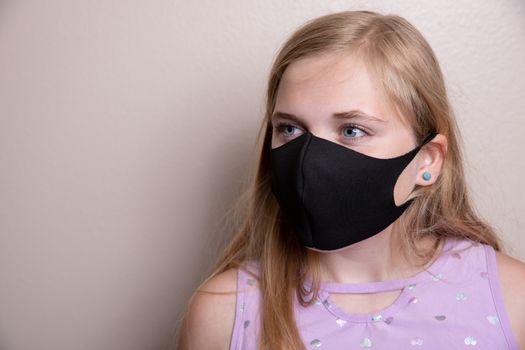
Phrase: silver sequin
[493,320]
[411,286]
[241,307]
[340,322]
[389,320]
[437,277]
[366,343]
[316,343]
[470,340]
[461,296]
[412,300]
[377,318]
[440,317]
[417,341]
[251,282]
[246,323]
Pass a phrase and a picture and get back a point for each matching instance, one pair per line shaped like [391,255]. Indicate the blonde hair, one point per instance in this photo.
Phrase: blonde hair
[403,62]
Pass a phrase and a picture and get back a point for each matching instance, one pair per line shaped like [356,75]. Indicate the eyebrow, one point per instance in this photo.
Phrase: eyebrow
[352,114]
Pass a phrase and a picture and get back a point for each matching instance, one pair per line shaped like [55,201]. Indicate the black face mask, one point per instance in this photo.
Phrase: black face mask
[332,195]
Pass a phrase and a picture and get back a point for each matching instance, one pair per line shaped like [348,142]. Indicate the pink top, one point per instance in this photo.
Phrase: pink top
[456,303]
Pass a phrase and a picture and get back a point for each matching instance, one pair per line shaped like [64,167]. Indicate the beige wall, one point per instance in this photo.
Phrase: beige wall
[126,128]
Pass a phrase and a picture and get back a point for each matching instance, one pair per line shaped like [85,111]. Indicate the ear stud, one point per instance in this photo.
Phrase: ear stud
[427,176]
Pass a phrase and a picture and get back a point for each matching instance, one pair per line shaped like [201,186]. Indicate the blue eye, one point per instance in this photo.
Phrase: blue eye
[355,132]
[285,129]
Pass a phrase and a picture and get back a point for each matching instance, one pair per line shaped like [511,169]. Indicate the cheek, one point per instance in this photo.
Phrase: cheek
[405,183]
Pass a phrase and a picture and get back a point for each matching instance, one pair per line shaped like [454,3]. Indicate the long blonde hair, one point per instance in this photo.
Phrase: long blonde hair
[405,65]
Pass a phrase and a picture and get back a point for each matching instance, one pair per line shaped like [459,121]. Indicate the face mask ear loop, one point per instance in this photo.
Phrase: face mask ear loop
[428,138]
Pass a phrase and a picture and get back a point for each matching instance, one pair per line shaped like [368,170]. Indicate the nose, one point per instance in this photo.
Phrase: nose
[321,133]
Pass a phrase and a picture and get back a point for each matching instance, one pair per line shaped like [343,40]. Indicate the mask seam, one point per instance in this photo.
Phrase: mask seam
[302,155]
[303,152]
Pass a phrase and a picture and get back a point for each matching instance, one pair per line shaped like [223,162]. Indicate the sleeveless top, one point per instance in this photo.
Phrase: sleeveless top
[456,303]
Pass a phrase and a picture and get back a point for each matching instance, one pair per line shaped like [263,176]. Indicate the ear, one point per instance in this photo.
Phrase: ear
[431,157]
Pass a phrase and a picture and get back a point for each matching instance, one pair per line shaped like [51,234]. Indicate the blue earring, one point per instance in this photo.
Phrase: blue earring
[426,176]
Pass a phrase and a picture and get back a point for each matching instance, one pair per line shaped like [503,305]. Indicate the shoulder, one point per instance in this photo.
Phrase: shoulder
[512,279]
[208,322]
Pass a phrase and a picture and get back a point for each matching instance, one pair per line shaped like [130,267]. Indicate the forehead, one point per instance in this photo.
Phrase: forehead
[331,83]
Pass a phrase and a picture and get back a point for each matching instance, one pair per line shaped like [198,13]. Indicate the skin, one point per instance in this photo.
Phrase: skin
[313,90]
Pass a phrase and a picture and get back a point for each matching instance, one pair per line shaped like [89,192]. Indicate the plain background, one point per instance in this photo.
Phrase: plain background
[127,129]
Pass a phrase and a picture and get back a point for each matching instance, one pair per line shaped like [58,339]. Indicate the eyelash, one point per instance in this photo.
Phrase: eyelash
[280,127]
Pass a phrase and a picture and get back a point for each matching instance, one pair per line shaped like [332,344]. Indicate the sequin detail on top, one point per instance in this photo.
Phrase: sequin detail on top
[434,310]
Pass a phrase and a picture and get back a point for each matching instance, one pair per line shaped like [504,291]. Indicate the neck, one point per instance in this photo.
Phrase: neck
[377,258]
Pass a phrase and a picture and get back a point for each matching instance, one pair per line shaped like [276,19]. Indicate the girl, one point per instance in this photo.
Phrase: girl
[358,230]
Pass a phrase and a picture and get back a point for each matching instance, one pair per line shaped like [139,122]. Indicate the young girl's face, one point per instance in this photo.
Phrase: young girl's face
[335,98]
